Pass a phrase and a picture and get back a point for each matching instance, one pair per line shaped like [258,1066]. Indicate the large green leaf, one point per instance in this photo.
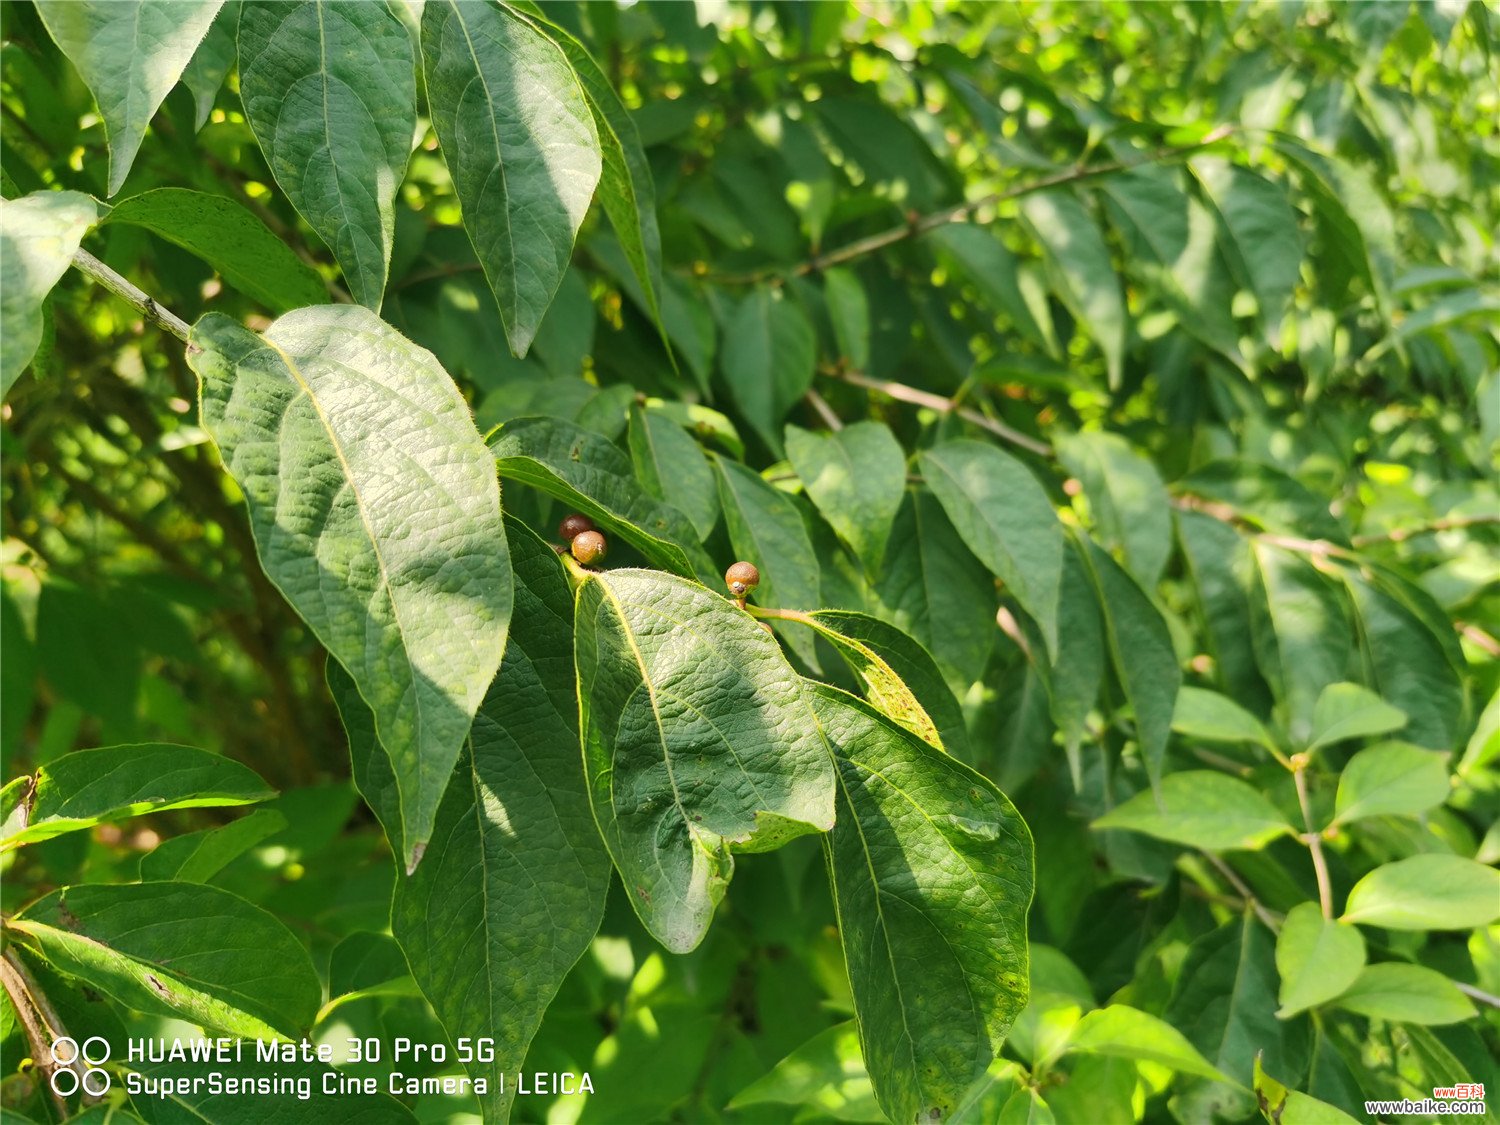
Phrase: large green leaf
[1141,648]
[196,857]
[1263,235]
[849,311]
[933,588]
[625,185]
[1300,630]
[1216,718]
[130,53]
[1393,778]
[768,355]
[1281,1106]
[520,141]
[1426,892]
[766,529]
[1224,1001]
[1006,519]
[1316,957]
[827,1072]
[1346,710]
[1082,272]
[1128,1033]
[673,468]
[899,676]
[89,787]
[589,472]
[183,950]
[330,90]
[1202,809]
[981,258]
[512,887]
[931,866]
[1172,241]
[230,239]
[1406,994]
[697,738]
[211,63]
[1127,502]
[377,514]
[39,234]
[856,477]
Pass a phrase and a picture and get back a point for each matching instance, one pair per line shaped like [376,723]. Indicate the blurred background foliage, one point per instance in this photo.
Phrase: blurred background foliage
[1336,337]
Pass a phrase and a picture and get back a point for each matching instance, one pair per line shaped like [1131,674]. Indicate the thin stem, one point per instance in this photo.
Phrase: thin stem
[921,224]
[1312,838]
[903,393]
[824,411]
[1272,922]
[87,264]
[1478,994]
[1398,534]
[31,1011]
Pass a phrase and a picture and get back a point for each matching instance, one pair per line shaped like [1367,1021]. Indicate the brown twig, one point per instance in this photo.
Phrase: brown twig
[1399,534]
[824,411]
[96,270]
[42,1030]
[922,224]
[1272,921]
[903,393]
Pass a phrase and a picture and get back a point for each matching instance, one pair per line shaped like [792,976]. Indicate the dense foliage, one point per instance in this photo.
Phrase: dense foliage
[1107,397]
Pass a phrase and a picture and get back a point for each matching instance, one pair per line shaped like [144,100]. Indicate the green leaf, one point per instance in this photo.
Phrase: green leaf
[1201,809]
[519,138]
[1346,710]
[1004,516]
[1317,958]
[1426,892]
[625,185]
[1484,744]
[899,676]
[1281,1106]
[512,888]
[1300,631]
[931,866]
[673,468]
[1141,648]
[197,857]
[1172,240]
[1213,717]
[1026,1107]
[211,63]
[39,234]
[765,528]
[856,478]
[1393,778]
[1082,271]
[1123,1032]
[590,474]
[1127,501]
[768,355]
[934,589]
[1406,994]
[849,310]
[827,1073]
[1410,665]
[89,787]
[1078,668]
[182,950]
[1222,1000]
[981,258]
[130,55]
[376,513]
[230,239]
[697,738]
[1262,236]
[330,90]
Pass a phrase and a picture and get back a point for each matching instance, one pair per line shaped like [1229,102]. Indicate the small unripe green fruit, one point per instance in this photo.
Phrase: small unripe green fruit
[573,525]
[741,578]
[589,547]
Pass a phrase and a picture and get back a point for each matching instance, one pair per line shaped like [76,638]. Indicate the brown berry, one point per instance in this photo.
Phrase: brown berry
[589,547]
[741,578]
[572,525]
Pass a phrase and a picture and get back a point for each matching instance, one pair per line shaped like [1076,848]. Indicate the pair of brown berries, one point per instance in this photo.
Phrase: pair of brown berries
[585,541]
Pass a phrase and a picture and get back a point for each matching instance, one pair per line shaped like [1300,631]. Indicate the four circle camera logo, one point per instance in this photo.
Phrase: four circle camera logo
[66,1054]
